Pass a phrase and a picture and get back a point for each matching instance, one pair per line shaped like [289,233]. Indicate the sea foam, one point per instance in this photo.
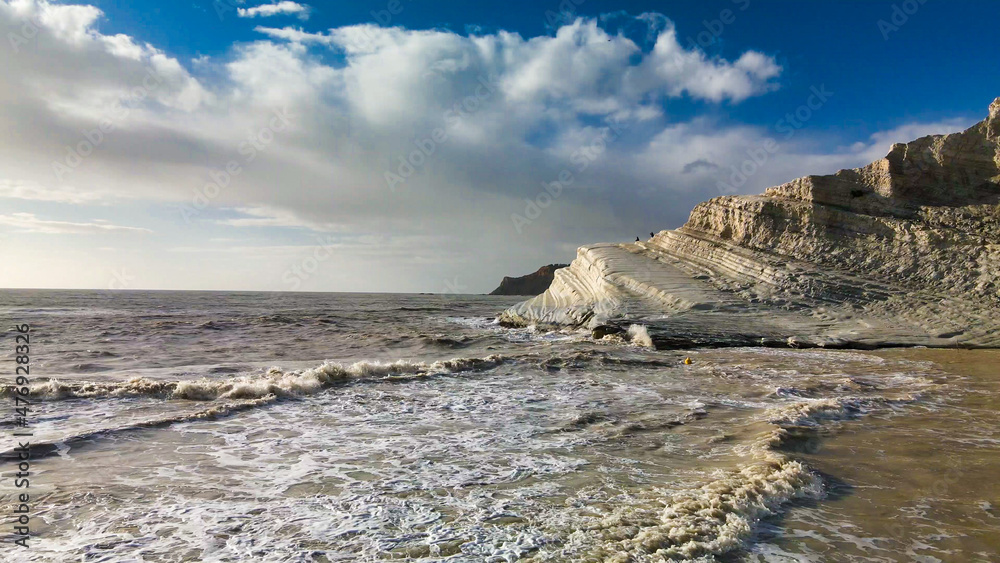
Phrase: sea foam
[273,382]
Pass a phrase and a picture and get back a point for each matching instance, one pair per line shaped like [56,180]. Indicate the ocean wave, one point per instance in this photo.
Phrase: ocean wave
[275,319]
[703,521]
[611,426]
[813,413]
[599,357]
[447,341]
[800,425]
[44,449]
[90,368]
[274,382]
[718,517]
[237,394]
[639,336]
[530,333]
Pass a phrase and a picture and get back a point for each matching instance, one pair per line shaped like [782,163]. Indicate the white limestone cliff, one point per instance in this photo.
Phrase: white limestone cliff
[904,251]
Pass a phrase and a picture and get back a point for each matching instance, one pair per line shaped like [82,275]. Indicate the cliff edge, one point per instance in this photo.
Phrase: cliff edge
[902,252]
[531,284]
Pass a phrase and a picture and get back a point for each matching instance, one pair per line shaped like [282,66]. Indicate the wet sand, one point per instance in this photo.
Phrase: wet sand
[920,487]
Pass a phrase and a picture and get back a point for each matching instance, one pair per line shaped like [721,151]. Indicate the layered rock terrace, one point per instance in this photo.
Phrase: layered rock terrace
[902,252]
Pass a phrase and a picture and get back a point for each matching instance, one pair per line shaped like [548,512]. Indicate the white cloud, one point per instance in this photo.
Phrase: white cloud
[70,23]
[296,35]
[515,111]
[260,251]
[66,194]
[703,158]
[581,65]
[266,217]
[280,8]
[29,223]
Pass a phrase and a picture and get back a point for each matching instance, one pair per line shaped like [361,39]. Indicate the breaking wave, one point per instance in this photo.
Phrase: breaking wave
[234,395]
[639,336]
[274,382]
[720,516]
[800,425]
[43,449]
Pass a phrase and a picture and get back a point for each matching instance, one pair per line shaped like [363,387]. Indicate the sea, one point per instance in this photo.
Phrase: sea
[320,427]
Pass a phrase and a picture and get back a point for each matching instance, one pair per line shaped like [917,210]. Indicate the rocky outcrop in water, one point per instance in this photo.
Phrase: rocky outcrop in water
[904,251]
[531,284]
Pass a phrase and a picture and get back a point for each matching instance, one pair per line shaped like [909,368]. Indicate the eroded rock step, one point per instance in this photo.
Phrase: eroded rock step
[902,252]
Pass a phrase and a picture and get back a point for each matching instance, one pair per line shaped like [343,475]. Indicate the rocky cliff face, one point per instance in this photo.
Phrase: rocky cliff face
[904,251]
[531,284]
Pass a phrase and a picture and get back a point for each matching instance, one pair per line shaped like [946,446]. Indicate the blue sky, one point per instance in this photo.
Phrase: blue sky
[692,86]
[938,64]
